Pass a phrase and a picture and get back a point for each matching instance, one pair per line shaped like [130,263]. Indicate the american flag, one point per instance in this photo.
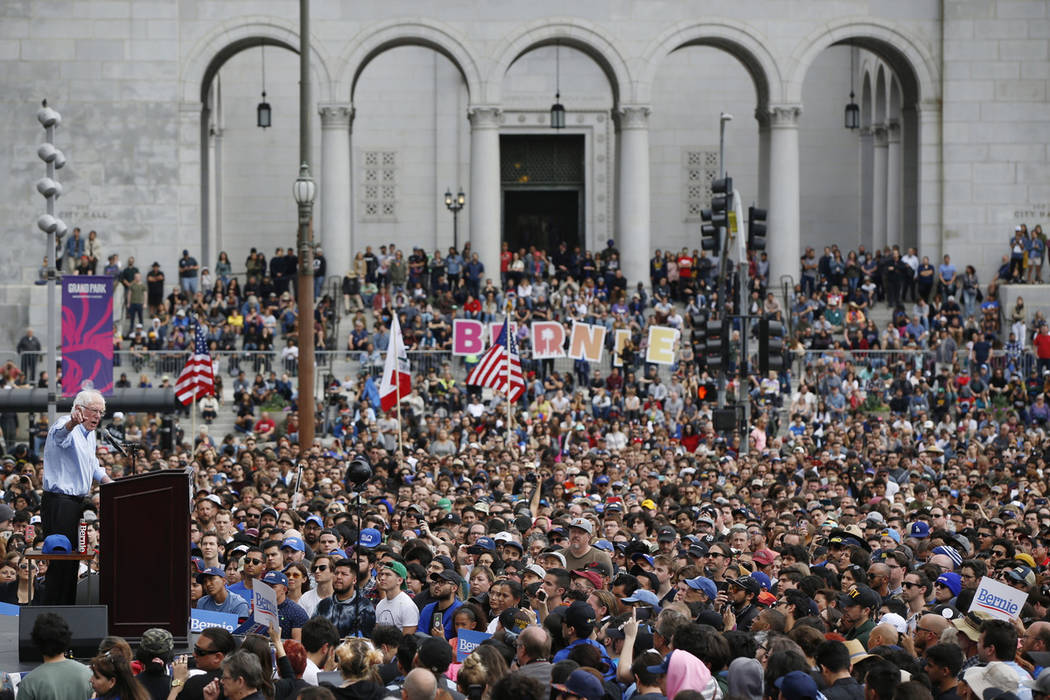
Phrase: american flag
[196,379]
[492,370]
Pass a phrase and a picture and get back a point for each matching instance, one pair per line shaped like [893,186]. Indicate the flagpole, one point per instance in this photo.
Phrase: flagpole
[510,409]
[193,401]
[400,444]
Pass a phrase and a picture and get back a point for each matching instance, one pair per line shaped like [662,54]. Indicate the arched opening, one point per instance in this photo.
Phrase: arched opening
[411,142]
[556,184]
[246,171]
[860,187]
[691,87]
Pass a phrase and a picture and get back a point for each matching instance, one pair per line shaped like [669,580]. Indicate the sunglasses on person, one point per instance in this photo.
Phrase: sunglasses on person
[253,561]
[320,567]
[204,652]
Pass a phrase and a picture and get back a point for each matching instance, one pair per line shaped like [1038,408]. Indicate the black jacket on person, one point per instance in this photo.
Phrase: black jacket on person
[844,689]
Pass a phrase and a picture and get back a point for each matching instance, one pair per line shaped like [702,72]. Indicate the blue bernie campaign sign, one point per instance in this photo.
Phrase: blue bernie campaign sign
[467,642]
[202,619]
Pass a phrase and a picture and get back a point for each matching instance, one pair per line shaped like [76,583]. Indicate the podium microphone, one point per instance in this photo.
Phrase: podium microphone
[108,437]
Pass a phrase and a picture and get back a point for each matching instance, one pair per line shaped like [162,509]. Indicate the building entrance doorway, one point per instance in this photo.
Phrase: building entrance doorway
[542,179]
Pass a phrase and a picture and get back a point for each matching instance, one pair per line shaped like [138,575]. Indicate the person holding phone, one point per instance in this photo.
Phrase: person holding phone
[70,469]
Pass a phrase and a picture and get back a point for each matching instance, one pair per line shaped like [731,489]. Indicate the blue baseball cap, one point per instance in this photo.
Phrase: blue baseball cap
[643,596]
[316,520]
[275,577]
[702,583]
[604,545]
[482,544]
[211,571]
[642,555]
[601,480]
[57,544]
[582,684]
[295,543]
[797,685]
[763,580]
[920,530]
[370,537]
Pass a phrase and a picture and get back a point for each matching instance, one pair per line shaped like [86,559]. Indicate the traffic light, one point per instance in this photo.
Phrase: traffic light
[770,346]
[710,235]
[756,229]
[721,201]
[716,346]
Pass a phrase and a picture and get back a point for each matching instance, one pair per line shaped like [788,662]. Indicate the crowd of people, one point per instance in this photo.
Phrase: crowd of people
[611,541]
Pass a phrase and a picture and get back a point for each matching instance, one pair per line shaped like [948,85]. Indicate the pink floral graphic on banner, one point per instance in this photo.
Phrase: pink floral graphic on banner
[87,334]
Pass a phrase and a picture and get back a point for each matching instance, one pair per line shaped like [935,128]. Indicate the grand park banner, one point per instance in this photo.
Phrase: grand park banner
[87,334]
[586,341]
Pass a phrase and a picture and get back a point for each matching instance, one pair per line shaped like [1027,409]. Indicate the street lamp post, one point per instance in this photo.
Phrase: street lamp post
[54,227]
[455,204]
[304,191]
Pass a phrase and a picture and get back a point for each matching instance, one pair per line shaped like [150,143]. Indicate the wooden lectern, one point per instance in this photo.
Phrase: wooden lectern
[144,561]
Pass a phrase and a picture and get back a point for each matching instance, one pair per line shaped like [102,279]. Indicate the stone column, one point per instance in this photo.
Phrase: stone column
[893,184]
[878,196]
[784,239]
[483,199]
[336,229]
[632,198]
[866,146]
[762,117]
[928,192]
[192,196]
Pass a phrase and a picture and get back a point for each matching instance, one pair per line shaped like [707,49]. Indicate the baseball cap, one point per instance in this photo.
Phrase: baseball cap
[295,543]
[747,583]
[582,524]
[860,595]
[797,685]
[274,578]
[591,576]
[481,545]
[667,534]
[582,684]
[1041,684]
[920,530]
[1022,574]
[763,580]
[702,583]
[211,571]
[6,512]
[398,568]
[54,544]
[157,641]
[765,557]
[316,520]
[579,614]
[604,545]
[370,537]
[446,575]
[643,596]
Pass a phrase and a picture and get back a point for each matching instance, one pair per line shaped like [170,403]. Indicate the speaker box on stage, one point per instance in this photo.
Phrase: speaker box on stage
[88,623]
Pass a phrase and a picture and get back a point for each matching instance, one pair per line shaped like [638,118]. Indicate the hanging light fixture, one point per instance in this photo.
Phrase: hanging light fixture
[262,112]
[852,110]
[557,110]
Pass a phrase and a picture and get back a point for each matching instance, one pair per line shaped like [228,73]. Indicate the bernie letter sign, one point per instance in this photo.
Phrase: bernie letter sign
[998,600]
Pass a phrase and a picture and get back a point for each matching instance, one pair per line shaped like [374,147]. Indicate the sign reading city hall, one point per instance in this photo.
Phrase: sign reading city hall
[586,341]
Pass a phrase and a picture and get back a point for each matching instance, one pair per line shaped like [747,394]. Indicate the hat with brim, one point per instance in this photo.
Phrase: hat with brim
[582,684]
[991,680]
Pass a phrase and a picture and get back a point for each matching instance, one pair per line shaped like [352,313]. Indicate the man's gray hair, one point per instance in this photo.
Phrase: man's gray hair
[420,684]
[86,397]
[243,664]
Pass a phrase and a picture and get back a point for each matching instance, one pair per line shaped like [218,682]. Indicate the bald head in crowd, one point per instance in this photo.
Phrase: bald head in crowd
[928,631]
[883,635]
[420,684]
